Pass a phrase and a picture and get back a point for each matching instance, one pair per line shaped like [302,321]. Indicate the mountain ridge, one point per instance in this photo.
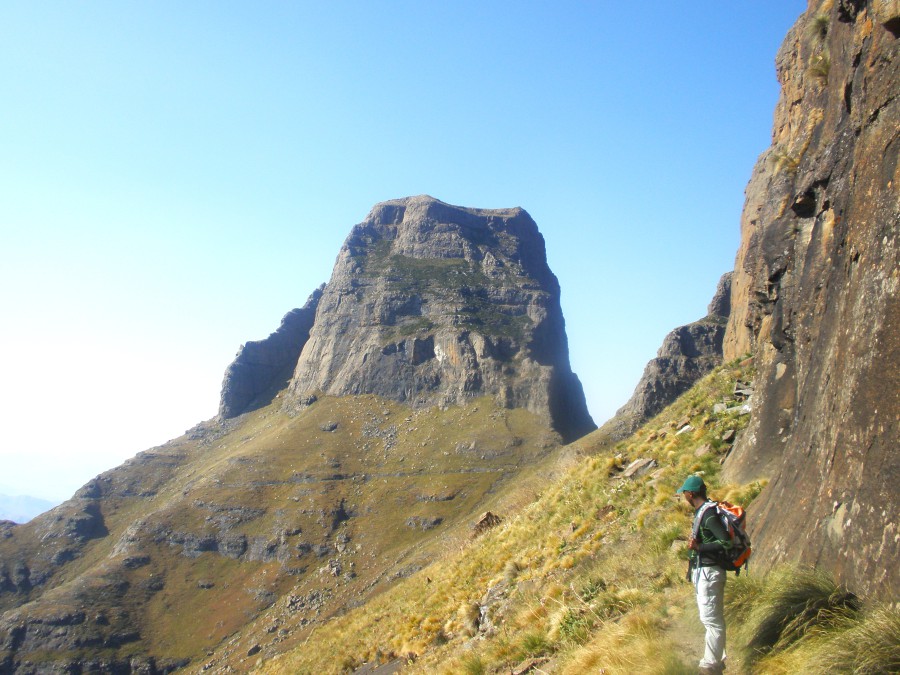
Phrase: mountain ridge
[301,483]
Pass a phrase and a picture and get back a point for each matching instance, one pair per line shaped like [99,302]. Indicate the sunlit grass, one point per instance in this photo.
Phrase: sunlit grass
[590,572]
[799,620]
[588,569]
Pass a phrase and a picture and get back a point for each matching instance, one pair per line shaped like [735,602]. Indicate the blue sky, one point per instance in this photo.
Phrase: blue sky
[175,177]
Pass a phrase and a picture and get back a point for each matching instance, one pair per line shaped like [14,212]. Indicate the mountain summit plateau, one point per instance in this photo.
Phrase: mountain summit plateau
[429,304]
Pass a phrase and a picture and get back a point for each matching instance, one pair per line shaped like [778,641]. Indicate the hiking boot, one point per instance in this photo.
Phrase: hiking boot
[712,670]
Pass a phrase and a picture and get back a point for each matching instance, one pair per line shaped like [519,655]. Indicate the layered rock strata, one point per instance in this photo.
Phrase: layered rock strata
[432,305]
[815,295]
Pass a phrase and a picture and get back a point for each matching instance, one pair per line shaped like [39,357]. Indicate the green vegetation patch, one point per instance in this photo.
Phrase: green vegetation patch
[415,276]
[482,315]
[445,279]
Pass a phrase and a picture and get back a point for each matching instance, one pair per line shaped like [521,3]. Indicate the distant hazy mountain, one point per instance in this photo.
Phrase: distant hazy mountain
[21,509]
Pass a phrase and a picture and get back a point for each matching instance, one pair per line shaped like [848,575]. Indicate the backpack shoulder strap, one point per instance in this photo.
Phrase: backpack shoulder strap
[701,514]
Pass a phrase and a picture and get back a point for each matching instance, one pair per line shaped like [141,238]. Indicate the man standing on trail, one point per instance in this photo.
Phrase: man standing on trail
[707,544]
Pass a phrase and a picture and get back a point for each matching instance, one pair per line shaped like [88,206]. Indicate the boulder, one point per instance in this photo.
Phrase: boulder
[486,521]
[639,467]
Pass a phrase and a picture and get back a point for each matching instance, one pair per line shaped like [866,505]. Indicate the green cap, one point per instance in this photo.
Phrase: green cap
[692,484]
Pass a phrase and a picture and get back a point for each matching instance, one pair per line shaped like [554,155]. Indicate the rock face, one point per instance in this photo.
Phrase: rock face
[262,368]
[687,354]
[815,294]
[720,305]
[431,304]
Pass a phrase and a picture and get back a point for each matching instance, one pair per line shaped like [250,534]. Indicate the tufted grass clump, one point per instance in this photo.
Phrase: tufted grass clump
[782,160]
[532,643]
[819,66]
[637,644]
[818,27]
[775,614]
[798,620]
[868,645]
[473,665]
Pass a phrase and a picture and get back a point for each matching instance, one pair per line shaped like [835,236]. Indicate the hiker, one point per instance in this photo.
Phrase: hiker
[708,543]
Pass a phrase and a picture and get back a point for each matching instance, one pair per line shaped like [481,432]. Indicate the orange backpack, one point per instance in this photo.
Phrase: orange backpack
[732,518]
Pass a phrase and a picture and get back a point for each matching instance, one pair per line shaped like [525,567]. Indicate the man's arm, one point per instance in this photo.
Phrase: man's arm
[719,541]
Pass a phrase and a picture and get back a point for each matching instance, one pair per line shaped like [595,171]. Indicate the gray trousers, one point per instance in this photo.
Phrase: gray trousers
[710,585]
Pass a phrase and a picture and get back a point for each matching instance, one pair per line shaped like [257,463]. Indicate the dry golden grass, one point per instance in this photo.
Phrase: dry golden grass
[800,620]
[587,568]
[636,644]
[598,573]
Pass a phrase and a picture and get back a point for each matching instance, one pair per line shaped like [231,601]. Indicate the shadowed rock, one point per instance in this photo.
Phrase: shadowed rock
[816,302]
[262,368]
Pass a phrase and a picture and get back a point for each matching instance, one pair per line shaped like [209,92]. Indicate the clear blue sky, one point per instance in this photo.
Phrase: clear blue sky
[175,177]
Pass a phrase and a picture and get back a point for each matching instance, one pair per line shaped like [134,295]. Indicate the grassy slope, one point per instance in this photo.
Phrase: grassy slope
[480,448]
[368,491]
[587,568]
[590,571]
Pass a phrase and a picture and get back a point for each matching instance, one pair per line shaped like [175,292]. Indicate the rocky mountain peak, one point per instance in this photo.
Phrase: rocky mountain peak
[434,304]
[424,227]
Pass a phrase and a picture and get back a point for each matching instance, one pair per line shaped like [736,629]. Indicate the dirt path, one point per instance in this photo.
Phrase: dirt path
[684,630]
[687,634]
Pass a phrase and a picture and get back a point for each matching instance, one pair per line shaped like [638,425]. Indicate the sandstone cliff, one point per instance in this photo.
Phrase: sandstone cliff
[432,304]
[815,300]
[687,354]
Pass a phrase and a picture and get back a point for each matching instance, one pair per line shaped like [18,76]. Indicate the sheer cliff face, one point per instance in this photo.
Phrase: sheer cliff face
[815,299]
[432,304]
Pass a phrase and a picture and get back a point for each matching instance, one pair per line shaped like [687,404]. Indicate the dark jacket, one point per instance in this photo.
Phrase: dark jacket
[711,536]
